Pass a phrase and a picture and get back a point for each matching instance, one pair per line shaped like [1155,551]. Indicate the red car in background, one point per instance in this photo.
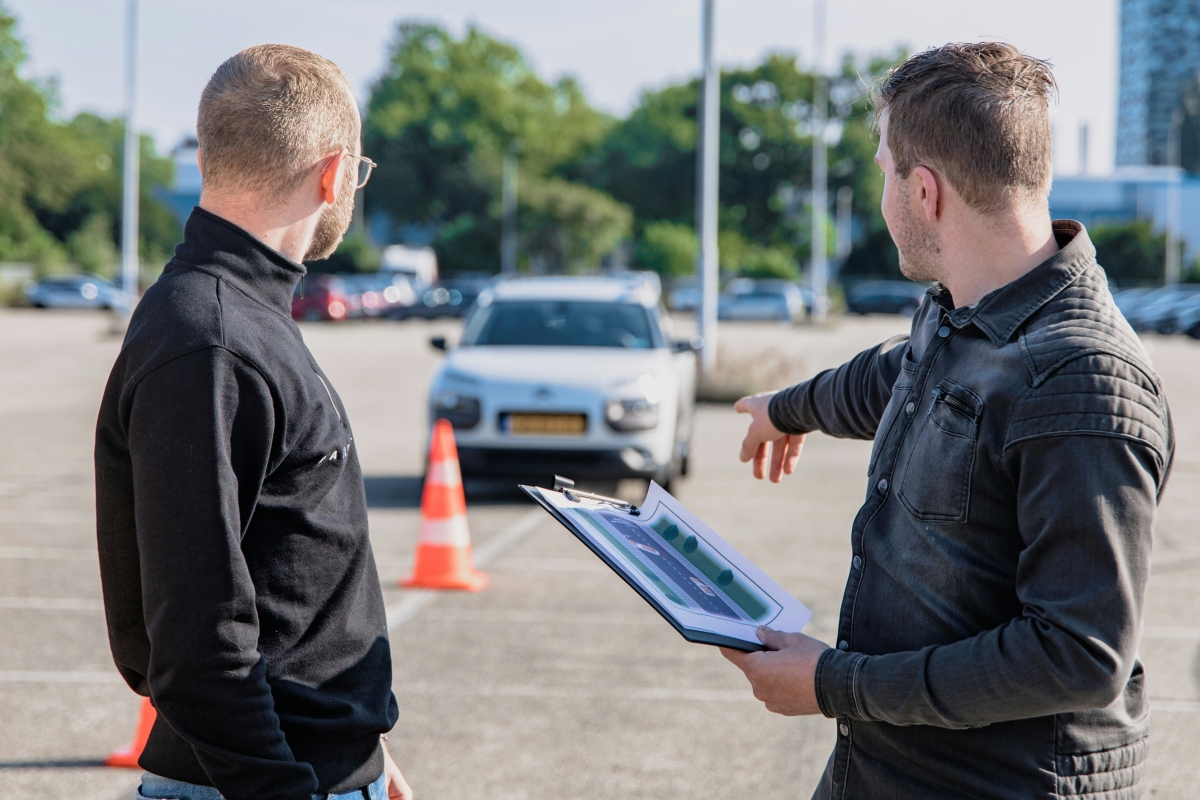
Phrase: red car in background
[320,297]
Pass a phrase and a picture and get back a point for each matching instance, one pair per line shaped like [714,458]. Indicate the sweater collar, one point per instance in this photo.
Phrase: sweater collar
[1000,313]
[262,273]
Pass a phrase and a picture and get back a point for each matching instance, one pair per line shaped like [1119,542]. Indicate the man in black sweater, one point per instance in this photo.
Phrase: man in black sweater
[239,584]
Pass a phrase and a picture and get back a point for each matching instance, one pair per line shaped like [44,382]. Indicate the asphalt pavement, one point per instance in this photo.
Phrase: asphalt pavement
[556,681]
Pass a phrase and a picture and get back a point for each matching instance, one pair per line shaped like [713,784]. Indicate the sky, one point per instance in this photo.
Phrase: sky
[616,49]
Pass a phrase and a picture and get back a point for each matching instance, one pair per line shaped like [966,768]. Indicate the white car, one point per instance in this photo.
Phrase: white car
[579,377]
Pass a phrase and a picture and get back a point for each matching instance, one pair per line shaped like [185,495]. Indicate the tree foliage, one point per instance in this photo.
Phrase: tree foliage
[439,122]
[1130,253]
[60,183]
[667,248]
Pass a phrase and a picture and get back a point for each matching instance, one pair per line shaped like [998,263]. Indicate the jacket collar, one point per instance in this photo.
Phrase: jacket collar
[1000,313]
[218,246]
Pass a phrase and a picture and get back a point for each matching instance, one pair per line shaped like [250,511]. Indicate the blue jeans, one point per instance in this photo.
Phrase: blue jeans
[155,787]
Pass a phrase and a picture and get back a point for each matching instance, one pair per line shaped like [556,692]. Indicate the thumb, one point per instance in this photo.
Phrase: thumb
[742,406]
[773,639]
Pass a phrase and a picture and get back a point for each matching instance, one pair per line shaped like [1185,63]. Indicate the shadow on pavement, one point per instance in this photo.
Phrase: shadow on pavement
[64,764]
[404,491]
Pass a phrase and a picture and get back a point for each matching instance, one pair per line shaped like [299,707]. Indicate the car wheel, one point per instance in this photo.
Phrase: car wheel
[1194,331]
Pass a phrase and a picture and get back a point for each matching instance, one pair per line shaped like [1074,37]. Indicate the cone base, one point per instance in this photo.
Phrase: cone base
[127,758]
[443,567]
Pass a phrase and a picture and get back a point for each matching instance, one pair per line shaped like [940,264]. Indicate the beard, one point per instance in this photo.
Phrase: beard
[334,221]
[918,245]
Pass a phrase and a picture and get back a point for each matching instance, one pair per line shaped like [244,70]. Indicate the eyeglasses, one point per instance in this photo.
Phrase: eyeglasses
[365,165]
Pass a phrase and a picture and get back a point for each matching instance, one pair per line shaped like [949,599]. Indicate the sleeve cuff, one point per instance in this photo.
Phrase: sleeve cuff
[836,681]
[780,413]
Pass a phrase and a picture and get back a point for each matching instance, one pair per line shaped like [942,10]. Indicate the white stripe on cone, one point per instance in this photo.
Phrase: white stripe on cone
[451,532]
[444,473]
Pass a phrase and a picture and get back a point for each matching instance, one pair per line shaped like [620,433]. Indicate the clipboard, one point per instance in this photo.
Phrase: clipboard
[708,591]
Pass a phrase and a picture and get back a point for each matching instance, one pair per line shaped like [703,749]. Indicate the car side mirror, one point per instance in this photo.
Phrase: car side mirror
[689,345]
[438,343]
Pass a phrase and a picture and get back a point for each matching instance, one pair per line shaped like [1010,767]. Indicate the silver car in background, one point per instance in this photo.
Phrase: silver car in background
[84,290]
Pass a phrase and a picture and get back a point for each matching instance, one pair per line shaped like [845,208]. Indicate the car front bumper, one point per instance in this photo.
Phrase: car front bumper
[540,466]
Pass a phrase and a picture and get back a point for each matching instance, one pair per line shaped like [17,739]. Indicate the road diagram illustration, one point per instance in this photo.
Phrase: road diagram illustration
[682,567]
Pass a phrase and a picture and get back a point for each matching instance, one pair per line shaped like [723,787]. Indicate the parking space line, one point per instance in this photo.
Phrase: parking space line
[59,676]
[415,599]
[580,693]
[52,603]
[51,553]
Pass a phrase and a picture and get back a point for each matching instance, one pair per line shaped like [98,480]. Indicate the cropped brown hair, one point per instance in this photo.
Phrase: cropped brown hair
[979,113]
[268,115]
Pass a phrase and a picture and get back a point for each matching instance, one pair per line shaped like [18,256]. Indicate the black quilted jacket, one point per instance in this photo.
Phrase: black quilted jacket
[988,638]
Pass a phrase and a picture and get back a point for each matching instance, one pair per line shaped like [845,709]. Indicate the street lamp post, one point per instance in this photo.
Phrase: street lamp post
[129,188]
[707,144]
[819,273]
[508,232]
[1171,274]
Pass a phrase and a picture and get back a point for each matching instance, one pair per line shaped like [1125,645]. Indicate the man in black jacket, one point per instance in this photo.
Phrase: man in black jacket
[239,584]
[988,638]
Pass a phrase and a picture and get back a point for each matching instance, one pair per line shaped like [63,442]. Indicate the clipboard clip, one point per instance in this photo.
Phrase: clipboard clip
[567,487]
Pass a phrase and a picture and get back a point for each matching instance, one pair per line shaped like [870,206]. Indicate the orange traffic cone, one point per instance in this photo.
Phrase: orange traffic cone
[128,756]
[443,559]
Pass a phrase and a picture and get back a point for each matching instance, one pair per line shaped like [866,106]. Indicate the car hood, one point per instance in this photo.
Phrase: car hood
[561,366]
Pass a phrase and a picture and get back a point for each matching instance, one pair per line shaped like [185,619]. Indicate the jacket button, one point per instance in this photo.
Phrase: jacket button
[843,729]
[857,562]
[943,331]
[882,485]
[910,408]
[843,645]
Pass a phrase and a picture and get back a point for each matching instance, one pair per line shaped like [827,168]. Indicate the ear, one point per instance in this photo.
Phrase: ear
[199,164]
[331,178]
[929,193]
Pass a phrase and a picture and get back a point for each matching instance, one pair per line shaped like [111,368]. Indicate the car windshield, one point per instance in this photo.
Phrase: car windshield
[562,323]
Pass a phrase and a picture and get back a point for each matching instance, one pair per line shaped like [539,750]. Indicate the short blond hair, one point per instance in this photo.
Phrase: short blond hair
[268,115]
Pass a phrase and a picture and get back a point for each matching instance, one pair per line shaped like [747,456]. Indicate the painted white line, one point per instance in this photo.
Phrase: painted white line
[52,603]
[414,600]
[1182,706]
[63,676]
[535,564]
[580,693]
[27,516]
[541,617]
[51,553]
[1169,632]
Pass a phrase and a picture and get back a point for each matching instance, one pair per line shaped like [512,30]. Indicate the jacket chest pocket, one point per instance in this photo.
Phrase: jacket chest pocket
[900,393]
[936,482]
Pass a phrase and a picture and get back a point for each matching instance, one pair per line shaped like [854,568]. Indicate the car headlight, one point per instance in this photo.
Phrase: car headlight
[458,410]
[631,415]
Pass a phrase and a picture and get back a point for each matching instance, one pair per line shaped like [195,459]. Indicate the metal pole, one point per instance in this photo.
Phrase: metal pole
[508,235]
[1083,148]
[707,144]
[1171,275]
[130,182]
[845,221]
[820,197]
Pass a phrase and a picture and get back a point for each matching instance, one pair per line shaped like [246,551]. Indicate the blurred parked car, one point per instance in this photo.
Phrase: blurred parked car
[1187,317]
[885,297]
[575,376]
[321,297]
[749,299]
[84,290]
[684,295]
[1129,299]
[1157,310]
[448,298]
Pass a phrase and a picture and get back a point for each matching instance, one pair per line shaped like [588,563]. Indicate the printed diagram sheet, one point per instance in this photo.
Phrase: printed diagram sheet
[708,590]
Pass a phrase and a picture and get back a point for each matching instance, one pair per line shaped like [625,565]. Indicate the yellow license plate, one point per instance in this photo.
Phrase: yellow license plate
[547,424]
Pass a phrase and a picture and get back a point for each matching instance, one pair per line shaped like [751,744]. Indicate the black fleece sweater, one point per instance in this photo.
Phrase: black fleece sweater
[239,584]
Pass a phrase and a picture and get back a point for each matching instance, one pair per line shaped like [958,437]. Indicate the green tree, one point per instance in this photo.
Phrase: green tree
[1130,252]
[667,248]
[770,262]
[439,122]
[61,182]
